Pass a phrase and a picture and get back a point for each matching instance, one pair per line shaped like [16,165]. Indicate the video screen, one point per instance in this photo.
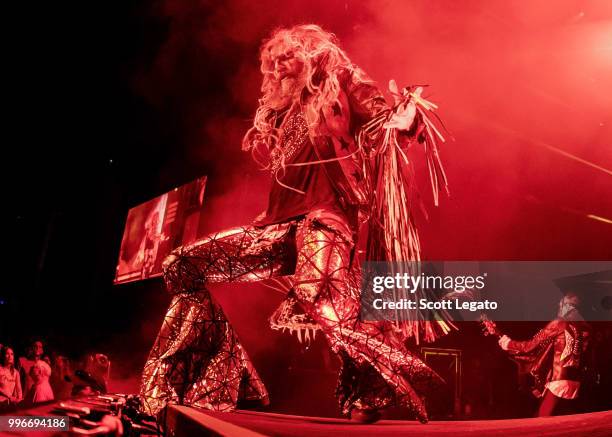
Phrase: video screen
[154,228]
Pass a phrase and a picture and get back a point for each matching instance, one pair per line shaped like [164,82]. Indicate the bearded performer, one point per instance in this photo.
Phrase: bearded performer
[336,152]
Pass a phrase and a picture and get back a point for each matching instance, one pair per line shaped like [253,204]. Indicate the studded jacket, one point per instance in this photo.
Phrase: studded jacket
[556,352]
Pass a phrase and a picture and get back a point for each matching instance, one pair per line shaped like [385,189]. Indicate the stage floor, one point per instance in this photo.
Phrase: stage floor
[248,423]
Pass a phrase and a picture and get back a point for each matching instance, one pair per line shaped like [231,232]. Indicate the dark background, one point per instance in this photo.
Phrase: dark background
[112,103]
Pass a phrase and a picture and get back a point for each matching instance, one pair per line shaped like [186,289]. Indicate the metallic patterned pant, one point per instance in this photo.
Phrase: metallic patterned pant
[197,359]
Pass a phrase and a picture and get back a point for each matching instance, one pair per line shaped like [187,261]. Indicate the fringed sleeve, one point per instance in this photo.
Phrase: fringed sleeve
[392,235]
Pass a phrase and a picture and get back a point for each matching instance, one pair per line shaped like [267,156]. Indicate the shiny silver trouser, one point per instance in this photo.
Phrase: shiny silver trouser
[197,359]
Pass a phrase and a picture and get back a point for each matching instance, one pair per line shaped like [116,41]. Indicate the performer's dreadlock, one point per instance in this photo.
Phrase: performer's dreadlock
[323,60]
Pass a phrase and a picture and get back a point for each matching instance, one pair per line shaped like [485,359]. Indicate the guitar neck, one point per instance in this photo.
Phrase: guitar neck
[490,327]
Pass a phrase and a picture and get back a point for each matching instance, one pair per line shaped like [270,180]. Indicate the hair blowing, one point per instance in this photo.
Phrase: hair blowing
[323,62]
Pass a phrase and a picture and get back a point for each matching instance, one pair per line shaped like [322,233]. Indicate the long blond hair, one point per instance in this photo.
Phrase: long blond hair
[323,61]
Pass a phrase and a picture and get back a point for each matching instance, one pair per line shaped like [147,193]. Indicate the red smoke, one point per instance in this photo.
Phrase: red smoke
[518,84]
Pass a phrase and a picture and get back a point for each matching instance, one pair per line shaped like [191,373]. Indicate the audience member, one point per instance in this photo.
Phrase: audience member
[10,382]
[36,373]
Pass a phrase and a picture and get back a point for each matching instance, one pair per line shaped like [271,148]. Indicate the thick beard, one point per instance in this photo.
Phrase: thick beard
[289,91]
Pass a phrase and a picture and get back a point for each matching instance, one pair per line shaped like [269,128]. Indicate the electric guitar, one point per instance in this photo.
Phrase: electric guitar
[489,327]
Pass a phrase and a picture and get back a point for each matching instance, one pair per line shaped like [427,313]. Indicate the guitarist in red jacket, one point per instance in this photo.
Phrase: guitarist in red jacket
[556,355]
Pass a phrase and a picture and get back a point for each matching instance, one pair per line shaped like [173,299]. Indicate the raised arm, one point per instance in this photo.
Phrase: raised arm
[371,112]
[365,99]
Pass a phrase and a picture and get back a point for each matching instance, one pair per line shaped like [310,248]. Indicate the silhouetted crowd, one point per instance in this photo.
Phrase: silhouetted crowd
[38,377]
